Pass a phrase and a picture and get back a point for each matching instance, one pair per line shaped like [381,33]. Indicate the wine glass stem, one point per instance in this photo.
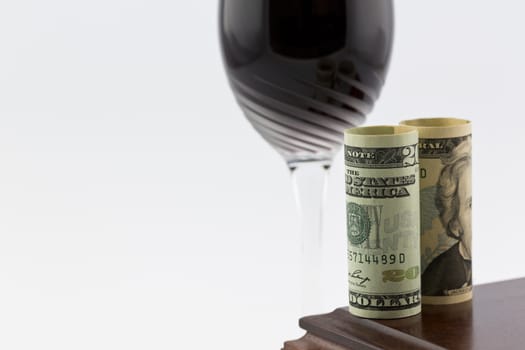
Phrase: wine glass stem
[309,182]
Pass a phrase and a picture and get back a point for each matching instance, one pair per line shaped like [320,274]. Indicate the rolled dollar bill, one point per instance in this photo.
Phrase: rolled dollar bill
[446,200]
[382,207]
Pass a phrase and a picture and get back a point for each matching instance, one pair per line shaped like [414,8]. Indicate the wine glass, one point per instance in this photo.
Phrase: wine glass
[303,71]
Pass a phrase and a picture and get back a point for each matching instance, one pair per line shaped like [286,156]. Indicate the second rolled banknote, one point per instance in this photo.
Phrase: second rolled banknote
[446,201]
[382,207]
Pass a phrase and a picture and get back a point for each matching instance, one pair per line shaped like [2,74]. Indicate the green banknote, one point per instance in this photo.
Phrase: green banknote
[446,202]
[382,207]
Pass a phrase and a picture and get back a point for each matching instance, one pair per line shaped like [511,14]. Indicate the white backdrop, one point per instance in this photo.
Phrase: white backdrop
[138,208]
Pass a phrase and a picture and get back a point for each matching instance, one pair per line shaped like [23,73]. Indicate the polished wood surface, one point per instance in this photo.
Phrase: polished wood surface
[494,319]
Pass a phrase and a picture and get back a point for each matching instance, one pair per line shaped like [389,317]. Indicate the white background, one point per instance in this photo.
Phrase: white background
[138,208]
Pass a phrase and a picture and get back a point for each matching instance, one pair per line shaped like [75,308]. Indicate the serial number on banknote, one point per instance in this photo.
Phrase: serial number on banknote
[384,259]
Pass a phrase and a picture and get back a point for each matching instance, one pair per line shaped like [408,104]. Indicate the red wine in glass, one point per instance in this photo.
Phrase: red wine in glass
[303,71]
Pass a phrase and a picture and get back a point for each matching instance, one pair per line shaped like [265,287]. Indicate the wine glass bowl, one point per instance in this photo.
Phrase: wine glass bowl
[305,70]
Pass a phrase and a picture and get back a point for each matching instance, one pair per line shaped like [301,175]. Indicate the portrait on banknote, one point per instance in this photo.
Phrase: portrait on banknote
[450,272]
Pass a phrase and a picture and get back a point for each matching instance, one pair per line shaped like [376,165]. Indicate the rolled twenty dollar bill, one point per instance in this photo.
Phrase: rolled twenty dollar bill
[446,201]
[382,212]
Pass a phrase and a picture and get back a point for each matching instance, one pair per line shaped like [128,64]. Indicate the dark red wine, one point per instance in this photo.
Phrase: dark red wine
[304,70]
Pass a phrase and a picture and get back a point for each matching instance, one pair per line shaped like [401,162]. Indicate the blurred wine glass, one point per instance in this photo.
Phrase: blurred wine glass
[303,71]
